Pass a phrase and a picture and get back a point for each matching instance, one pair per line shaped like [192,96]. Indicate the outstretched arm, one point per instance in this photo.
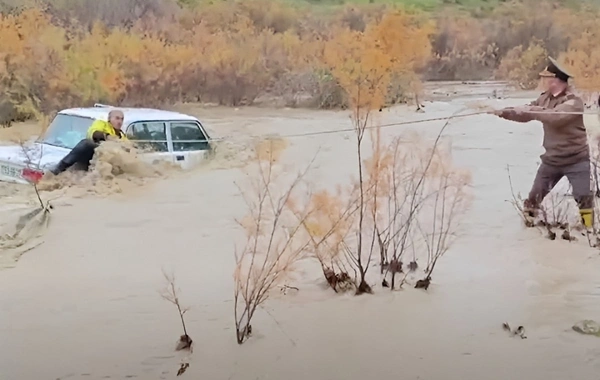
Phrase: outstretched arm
[519,114]
[560,115]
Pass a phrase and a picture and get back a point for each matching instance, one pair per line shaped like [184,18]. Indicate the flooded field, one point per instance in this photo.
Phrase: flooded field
[84,304]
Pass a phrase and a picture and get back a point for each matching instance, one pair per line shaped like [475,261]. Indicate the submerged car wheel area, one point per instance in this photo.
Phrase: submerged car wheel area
[170,136]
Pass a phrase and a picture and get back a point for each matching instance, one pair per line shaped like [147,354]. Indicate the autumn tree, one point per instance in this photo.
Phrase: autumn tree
[583,60]
[364,64]
[522,65]
[33,71]
[363,69]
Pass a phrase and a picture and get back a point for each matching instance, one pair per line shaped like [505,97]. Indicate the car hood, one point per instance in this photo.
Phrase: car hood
[39,155]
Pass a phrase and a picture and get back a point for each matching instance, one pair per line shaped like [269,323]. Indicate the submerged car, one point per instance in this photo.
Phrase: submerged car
[171,136]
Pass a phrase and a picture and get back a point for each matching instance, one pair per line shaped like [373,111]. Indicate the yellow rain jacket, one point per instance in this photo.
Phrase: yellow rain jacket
[104,127]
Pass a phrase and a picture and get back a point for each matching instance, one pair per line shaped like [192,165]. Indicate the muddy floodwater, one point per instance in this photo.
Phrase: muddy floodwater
[85,304]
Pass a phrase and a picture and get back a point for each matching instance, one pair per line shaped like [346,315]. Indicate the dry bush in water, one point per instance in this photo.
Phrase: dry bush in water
[558,211]
[171,294]
[420,197]
[362,220]
[32,156]
[31,226]
[364,70]
[273,244]
[413,201]
[329,222]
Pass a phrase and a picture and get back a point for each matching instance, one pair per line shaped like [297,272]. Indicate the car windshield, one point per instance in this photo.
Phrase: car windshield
[67,130]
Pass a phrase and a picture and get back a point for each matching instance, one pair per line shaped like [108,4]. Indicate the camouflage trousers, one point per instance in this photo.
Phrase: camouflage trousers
[548,176]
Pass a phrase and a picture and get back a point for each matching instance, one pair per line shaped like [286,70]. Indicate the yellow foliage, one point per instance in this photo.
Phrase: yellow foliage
[233,52]
[328,223]
[523,66]
[583,60]
[270,149]
[361,66]
[364,63]
[405,39]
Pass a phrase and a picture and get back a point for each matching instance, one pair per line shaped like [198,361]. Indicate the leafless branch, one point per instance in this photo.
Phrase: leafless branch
[171,294]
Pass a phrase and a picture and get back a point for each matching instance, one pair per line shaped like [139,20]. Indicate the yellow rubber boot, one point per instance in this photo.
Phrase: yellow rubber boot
[587,217]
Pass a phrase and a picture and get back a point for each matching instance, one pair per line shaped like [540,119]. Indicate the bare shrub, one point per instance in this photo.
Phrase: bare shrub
[32,154]
[325,91]
[328,225]
[171,294]
[112,13]
[276,16]
[419,199]
[413,199]
[554,212]
[312,88]
[8,112]
[31,226]
[513,24]
[446,201]
[357,17]
[461,50]
[272,243]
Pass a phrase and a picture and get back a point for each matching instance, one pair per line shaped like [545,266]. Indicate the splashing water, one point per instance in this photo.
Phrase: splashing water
[30,225]
[237,153]
[115,166]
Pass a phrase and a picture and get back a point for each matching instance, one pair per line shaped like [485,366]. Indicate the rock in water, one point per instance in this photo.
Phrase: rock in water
[587,327]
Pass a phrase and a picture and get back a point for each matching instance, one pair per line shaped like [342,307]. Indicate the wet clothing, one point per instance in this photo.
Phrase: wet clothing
[100,129]
[81,155]
[567,151]
[548,176]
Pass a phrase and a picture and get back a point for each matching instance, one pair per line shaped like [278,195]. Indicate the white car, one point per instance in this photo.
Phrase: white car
[173,137]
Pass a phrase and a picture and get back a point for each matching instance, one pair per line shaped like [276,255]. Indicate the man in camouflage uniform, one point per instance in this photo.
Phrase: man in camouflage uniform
[565,141]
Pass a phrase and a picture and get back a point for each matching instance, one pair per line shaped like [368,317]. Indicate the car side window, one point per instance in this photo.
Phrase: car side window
[187,136]
[152,135]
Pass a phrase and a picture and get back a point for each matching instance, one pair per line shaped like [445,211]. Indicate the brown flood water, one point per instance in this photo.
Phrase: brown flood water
[85,304]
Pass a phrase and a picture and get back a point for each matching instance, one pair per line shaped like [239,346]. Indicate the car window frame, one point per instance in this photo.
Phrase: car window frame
[199,126]
[167,133]
[41,139]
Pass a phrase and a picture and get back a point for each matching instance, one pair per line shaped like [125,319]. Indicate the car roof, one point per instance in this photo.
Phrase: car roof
[132,115]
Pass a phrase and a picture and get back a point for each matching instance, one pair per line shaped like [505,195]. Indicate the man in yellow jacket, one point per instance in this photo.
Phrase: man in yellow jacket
[99,131]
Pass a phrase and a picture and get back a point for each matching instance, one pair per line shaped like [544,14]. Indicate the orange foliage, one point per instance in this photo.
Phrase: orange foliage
[229,53]
[361,67]
[364,63]
[235,52]
[583,55]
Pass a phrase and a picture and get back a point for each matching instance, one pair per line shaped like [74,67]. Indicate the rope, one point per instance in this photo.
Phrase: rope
[444,118]
[344,130]
[331,131]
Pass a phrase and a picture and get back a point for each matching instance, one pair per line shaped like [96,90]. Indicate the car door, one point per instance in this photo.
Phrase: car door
[153,138]
[190,142]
